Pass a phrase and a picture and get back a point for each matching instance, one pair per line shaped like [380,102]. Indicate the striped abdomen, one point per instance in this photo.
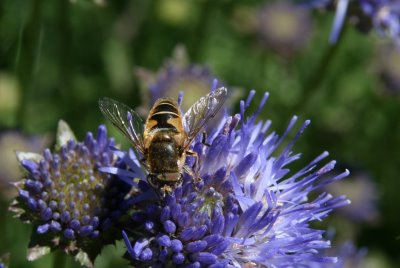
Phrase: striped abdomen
[165,114]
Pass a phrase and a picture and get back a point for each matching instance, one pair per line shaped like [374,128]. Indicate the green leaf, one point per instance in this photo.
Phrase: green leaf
[83,259]
[37,252]
[40,244]
[16,209]
[28,156]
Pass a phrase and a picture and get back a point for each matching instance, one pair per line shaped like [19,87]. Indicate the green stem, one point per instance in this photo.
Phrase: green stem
[319,73]
[25,58]
[65,60]
[200,31]
[59,259]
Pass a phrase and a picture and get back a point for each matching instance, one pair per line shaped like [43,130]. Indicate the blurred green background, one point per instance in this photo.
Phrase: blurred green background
[58,57]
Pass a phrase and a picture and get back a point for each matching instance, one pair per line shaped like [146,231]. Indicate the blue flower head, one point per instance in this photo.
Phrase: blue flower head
[177,75]
[244,207]
[70,203]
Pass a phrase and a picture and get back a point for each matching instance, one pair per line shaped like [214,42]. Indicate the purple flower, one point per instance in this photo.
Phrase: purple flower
[244,208]
[70,203]
[349,256]
[195,79]
[382,15]
[177,75]
[359,187]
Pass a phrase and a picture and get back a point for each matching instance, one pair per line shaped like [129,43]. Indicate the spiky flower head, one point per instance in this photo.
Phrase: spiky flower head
[246,210]
[70,203]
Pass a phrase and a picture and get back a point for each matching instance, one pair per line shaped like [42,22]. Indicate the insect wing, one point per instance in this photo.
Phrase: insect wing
[201,111]
[125,119]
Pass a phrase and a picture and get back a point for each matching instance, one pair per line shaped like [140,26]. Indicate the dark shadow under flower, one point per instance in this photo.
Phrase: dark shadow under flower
[71,204]
[248,209]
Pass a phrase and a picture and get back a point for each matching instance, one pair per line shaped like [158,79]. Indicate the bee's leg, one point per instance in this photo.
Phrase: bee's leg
[192,174]
[188,171]
[204,139]
[196,156]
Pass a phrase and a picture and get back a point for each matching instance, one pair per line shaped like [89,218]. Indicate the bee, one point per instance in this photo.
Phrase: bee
[164,139]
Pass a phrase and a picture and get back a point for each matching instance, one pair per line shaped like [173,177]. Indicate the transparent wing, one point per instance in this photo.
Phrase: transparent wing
[202,111]
[125,119]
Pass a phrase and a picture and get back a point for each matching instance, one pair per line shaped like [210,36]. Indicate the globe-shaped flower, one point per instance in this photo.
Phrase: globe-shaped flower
[175,76]
[71,204]
[243,208]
